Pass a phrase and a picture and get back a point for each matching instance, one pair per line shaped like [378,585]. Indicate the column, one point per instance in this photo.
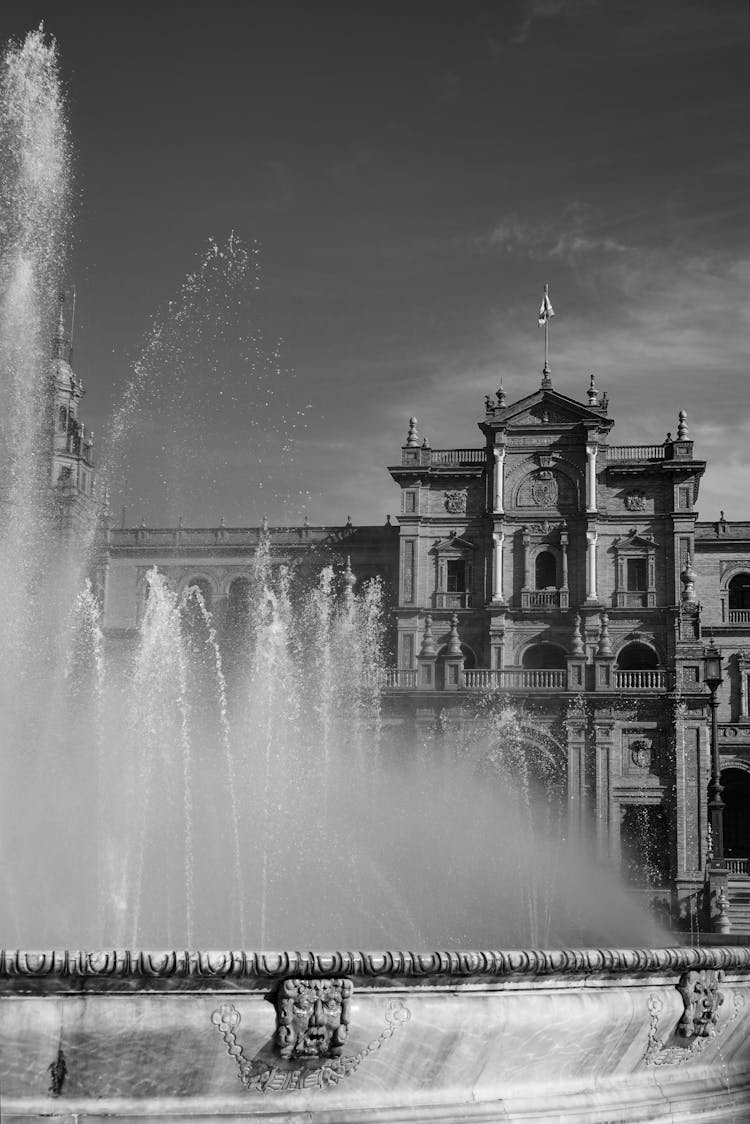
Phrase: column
[591,541]
[591,451]
[497,503]
[497,565]
[564,558]
[526,539]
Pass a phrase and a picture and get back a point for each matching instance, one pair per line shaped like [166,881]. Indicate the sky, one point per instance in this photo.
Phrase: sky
[377,193]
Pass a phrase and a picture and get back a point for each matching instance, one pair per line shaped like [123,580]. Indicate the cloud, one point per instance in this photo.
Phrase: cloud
[575,232]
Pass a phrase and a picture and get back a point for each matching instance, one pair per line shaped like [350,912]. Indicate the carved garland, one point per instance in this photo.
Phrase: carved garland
[234,965]
[328,1065]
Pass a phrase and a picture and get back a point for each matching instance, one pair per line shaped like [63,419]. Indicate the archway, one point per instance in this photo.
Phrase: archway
[545,656]
[637,657]
[204,588]
[736,797]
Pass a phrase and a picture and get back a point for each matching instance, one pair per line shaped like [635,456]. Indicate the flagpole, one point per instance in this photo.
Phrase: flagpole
[545,373]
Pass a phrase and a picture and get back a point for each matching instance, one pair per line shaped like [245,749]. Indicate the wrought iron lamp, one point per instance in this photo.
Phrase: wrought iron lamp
[713,679]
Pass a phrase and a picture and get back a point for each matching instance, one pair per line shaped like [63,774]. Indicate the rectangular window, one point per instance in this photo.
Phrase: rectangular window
[637,574]
[410,503]
[456,576]
[684,498]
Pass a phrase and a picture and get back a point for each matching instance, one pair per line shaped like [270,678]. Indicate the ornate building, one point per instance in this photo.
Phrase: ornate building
[553,569]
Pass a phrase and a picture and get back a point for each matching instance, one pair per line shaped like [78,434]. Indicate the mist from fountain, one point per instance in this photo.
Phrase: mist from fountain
[233,782]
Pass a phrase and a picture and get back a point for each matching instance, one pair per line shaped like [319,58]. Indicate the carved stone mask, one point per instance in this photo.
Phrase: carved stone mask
[312,1017]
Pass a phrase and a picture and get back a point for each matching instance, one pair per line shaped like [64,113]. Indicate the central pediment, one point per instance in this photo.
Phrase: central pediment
[542,409]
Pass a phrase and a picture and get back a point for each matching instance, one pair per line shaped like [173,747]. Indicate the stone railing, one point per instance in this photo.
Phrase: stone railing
[650,680]
[516,679]
[452,600]
[544,599]
[403,677]
[739,616]
[458,456]
[635,453]
[737,866]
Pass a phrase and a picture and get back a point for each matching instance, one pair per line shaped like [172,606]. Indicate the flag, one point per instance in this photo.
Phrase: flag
[546,310]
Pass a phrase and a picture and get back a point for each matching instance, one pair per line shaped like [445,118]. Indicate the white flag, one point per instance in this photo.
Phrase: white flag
[546,310]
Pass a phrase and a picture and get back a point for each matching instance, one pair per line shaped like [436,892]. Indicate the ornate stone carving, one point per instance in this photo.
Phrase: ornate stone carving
[544,489]
[312,1017]
[702,998]
[455,502]
[260,1076]
[640,752]
[635,501]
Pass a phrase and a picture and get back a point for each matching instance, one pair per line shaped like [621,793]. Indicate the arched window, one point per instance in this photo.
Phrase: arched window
[62,419]
[204,588]
[545,570]
[544,656]
[637,657]
[739,592]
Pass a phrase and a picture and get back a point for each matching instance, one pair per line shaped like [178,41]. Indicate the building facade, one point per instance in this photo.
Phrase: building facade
[546,567]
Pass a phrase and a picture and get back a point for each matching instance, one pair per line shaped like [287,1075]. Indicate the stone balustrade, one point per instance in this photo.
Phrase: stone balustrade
[526,679]
[648,680]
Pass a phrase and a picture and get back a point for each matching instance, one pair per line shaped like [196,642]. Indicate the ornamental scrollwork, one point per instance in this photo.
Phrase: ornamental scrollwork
[455,502]
[635,501]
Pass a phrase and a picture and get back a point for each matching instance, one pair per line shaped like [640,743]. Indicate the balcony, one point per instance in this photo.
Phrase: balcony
[516,679]
[648,680]
[636,453]
[739,616]
[544,599]
[525,679]
[458,600]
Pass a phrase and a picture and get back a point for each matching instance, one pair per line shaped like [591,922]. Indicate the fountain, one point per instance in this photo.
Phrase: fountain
[197,790]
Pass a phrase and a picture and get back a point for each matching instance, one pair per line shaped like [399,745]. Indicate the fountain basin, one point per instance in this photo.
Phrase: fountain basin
[587,1035]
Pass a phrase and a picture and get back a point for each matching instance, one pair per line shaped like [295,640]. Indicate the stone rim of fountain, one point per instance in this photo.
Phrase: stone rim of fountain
[217,965]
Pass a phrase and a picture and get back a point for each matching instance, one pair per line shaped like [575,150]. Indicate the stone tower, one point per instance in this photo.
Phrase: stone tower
[72,447]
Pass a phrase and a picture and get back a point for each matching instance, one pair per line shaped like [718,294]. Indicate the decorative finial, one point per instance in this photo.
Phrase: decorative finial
[306,522]
[412,437]
[488,407]
[428,643]
[388,520]
[454,642]
[605,643]
[687,577]
[265,524]
[349,521]
[501,395]
[683,433]
[577,649]
[593,393]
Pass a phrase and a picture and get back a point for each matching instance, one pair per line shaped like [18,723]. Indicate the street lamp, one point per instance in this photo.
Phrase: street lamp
[712,679]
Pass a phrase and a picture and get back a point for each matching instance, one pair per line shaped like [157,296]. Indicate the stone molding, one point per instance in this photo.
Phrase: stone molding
[216,965]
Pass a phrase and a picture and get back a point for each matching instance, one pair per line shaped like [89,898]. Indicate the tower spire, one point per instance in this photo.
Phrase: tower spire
[59,340]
